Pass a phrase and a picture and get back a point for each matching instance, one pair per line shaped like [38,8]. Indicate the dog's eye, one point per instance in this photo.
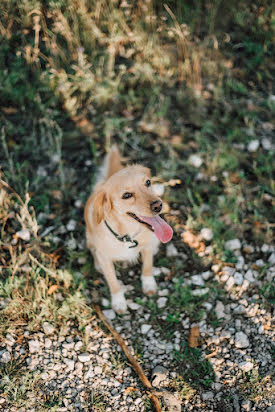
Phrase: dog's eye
[148,183]
[127,195]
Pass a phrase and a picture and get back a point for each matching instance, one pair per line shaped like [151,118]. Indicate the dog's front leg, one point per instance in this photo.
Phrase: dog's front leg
[107,267]
[149,285]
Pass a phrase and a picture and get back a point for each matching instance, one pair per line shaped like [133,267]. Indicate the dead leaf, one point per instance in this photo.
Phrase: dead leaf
[174,182]
[190,239]
[176,140]
[9,110]
[193,338]
[130,389]
[52,289]
[160,127]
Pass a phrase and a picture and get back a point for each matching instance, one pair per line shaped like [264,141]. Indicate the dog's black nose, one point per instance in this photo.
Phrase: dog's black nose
[156,206]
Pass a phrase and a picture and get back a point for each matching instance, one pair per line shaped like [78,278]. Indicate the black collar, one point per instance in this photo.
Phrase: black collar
[125,238]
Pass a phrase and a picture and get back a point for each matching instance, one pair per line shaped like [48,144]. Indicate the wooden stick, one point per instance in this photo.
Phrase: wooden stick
[136,366]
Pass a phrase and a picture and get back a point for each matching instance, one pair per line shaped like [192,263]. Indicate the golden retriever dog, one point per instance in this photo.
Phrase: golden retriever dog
[123,222]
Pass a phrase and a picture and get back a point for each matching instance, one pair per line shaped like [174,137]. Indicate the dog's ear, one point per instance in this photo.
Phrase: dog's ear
[147,171]
[102,204]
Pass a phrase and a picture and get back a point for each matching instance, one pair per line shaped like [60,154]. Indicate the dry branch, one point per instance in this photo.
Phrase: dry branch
[136,366]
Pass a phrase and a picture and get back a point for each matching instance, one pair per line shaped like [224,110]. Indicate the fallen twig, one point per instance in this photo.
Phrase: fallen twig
[136,366]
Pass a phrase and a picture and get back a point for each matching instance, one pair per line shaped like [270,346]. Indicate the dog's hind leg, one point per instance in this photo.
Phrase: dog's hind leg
[107,268]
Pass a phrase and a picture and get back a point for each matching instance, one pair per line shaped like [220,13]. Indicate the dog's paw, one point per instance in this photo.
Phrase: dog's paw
[119,303]
[149,285]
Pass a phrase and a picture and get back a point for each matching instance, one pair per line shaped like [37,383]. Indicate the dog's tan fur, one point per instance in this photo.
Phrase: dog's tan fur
[106,203]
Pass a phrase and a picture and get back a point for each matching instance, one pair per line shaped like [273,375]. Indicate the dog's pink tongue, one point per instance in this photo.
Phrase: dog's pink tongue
[163,231]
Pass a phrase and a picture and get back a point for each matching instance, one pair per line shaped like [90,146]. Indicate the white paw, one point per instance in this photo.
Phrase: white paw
[149,285]
[119,302]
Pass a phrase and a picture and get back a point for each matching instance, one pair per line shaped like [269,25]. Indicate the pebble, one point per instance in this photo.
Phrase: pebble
[145,328]
[246,405]
[271,259]
[48,328]
[195,160]
[71,225]
[206,275]
[253,146]
[230,283]
[207,396]
[161,302]
[109,313]
[6,357]
[158,189]
[219,309]
[70,364]
[200,292]
[207,234]
[233,244]
[34,346]
[84,357]
[24,234]
[197,280]
[98,370]
[246,366]
[171,250]
[241,340]
[159,374]
[238,278]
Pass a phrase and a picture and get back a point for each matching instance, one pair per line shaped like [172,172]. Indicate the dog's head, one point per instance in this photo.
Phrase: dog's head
[129,194]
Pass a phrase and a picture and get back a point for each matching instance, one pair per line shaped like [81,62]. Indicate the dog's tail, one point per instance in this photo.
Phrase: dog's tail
[111,165]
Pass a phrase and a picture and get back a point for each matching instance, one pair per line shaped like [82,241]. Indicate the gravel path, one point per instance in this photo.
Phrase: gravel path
[87,372]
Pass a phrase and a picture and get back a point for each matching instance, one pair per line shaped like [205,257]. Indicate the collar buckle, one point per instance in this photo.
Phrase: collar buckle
[124,239]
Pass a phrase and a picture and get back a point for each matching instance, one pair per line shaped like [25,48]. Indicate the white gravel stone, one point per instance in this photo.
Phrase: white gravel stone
[241,340]
[158,189]
[70,364]
[98,370]
[246,366]
[195,160]
[233,244]
[249,276]
[109,313]
[48,328]
[71,225]
[197,280]
[24,234]
[171,250]
[230,283]
[133,305]
[78,345]
[253,146]
[48,343]
[159,374]
[271,259]
[206,275]
[84,357]
[161,302]
[207,234]
[145,328]
[34,346]
[219,309]
[200,292]
[266,143]
[6,357]
[238,278]
[89,374]
[207,396]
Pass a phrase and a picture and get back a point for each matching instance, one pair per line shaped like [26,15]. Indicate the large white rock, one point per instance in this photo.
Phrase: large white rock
[241,340]
[34,346]
[233,244]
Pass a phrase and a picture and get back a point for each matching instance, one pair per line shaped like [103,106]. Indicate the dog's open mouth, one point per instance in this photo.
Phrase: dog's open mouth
[156,224]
